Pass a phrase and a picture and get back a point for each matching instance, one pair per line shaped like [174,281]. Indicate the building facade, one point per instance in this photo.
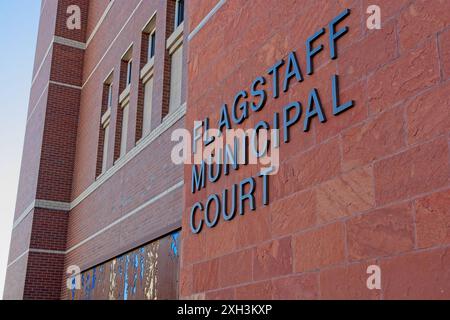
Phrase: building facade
[363,178]
[350,200]
[98,191]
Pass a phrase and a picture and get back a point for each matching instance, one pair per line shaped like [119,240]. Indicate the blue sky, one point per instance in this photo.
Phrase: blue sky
[19,21]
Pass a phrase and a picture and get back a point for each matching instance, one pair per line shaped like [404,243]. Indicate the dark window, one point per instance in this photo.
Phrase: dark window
[129,68]
[180,12]
[110,92]
[151,45]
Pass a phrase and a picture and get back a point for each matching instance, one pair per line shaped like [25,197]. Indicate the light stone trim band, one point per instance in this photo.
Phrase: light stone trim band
[62,41]
[18,258]
[42,204]
[129,214]
[52,205]
[206,19]
[62,84]
[45,89]
[24,214]
[176,39]
[46,251]
[35,251]
[69,42]
[126,216]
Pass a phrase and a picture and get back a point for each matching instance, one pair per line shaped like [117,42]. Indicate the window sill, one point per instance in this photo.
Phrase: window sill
[124,96]
[105,118]
[120,159]
[175,109]
[176,39]
[147,70]
[101,175]
[144,135]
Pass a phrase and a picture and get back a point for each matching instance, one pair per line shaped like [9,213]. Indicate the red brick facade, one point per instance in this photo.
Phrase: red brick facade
[68,212]
[369,186]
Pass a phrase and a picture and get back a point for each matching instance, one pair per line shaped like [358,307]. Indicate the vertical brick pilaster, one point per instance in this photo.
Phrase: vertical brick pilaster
[119,114]
[53,126]
[170,26]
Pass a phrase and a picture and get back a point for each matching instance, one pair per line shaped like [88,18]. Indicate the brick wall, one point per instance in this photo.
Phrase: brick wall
[369,186]
[48,159]
[147,175]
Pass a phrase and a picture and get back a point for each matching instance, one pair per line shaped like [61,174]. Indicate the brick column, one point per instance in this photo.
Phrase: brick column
[38,244]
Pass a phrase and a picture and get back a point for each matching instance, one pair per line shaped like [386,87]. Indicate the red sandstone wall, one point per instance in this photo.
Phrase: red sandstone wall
[370,186]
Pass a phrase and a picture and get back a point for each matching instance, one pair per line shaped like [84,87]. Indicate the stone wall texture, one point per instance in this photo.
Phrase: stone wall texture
[368,187]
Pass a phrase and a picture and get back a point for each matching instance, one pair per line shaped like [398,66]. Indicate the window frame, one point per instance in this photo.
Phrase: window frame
[179,52]
[151,44]
[124,130]
[110,96]
[178,4]
[105,119]
[129,72]
[173,44]
[105,128]
[147,105]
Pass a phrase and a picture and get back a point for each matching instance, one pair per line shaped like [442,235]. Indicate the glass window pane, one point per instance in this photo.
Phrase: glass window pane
[175,79]
[110,91]
[148,95]
[152,45]
[180,12]
[130,66]
[105,148]
[123,139]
